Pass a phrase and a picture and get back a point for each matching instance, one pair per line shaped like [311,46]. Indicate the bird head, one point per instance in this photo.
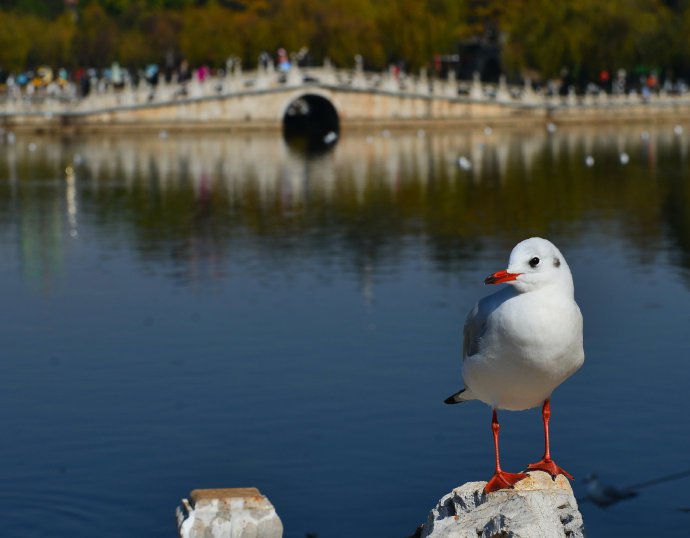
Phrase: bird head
[534,264]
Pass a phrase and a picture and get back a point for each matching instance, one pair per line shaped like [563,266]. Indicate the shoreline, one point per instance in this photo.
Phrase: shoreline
[566,117]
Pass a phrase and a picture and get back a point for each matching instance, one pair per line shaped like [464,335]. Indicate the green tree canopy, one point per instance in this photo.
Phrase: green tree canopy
[536,36]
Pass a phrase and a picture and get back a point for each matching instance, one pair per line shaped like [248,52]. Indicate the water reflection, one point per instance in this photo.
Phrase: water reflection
[605,495]
[204,311]
[185,199]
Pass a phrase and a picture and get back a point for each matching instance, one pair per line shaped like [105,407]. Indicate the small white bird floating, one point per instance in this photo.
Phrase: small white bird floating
[521,342]
[464,163]
[589,161]
[624,158]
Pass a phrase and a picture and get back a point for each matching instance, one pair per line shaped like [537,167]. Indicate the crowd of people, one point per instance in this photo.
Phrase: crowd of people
[79,83]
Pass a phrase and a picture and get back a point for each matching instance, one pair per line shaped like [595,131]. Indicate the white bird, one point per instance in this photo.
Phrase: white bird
[464,163]
[521,342]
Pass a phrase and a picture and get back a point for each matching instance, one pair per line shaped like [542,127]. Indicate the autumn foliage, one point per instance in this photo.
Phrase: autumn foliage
[536,36]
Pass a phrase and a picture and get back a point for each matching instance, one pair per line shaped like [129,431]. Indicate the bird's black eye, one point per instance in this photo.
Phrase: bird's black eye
[534,262]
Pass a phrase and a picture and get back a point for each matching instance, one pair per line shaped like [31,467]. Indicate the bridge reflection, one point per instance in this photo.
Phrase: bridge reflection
[188,199]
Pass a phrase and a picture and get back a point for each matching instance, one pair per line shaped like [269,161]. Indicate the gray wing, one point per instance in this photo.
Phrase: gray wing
[474,329]
[477,321]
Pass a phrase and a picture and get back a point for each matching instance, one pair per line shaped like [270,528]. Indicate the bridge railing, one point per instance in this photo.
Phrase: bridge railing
[104,96]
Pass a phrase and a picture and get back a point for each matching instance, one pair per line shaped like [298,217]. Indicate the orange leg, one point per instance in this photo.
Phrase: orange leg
[500,479]
[547,464]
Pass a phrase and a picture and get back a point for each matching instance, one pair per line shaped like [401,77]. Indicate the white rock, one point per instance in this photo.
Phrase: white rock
[538,507]
[228,513]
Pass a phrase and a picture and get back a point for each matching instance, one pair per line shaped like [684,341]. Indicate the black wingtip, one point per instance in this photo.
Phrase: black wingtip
[455,398]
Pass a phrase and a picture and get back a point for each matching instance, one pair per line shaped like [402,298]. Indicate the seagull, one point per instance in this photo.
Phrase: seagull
[521,342]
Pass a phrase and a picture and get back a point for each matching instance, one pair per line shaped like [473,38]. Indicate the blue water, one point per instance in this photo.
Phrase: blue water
[219,311]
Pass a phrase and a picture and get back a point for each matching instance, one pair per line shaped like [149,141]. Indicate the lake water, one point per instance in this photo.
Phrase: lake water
[191,311]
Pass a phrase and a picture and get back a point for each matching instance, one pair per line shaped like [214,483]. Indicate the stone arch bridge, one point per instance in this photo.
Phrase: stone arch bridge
[267,99]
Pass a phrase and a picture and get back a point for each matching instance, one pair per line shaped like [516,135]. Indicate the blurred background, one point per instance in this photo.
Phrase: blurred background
[572,42]
[224,309]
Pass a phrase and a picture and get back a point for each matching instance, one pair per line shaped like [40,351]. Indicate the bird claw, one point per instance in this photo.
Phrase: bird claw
[503,480]
[549,466]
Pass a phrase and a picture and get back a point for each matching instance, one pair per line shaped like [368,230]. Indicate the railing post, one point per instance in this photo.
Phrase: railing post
[358,80]
[502,92]
[389,84]
[476,91]
[262,81]
[294,75]
[451,85]
[328,73]
[529,97]
[422,86]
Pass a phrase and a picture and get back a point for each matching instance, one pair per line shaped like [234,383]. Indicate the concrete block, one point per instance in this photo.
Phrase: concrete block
[228,513]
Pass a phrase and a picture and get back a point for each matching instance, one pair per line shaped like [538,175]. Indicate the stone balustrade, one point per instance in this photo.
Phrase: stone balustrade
[240,97]
[237,81]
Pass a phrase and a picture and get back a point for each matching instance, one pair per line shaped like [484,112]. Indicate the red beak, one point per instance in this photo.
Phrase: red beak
[501,276]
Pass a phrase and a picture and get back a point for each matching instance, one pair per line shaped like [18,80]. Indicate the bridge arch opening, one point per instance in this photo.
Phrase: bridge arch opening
[311,124]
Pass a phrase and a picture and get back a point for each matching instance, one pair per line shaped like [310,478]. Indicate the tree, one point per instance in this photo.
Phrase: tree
[14,43]
[95,42]
[51,41]
[345,28]
[584,35]
[209,35]
[415,30]
[41,8]
[293,24]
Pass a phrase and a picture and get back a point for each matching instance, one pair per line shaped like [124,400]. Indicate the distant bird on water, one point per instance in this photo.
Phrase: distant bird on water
[521,342]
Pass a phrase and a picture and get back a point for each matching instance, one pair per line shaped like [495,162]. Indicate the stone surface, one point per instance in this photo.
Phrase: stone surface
[228,513]
[538,507]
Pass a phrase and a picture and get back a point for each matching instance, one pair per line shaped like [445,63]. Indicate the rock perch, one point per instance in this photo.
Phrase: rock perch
[538,507]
